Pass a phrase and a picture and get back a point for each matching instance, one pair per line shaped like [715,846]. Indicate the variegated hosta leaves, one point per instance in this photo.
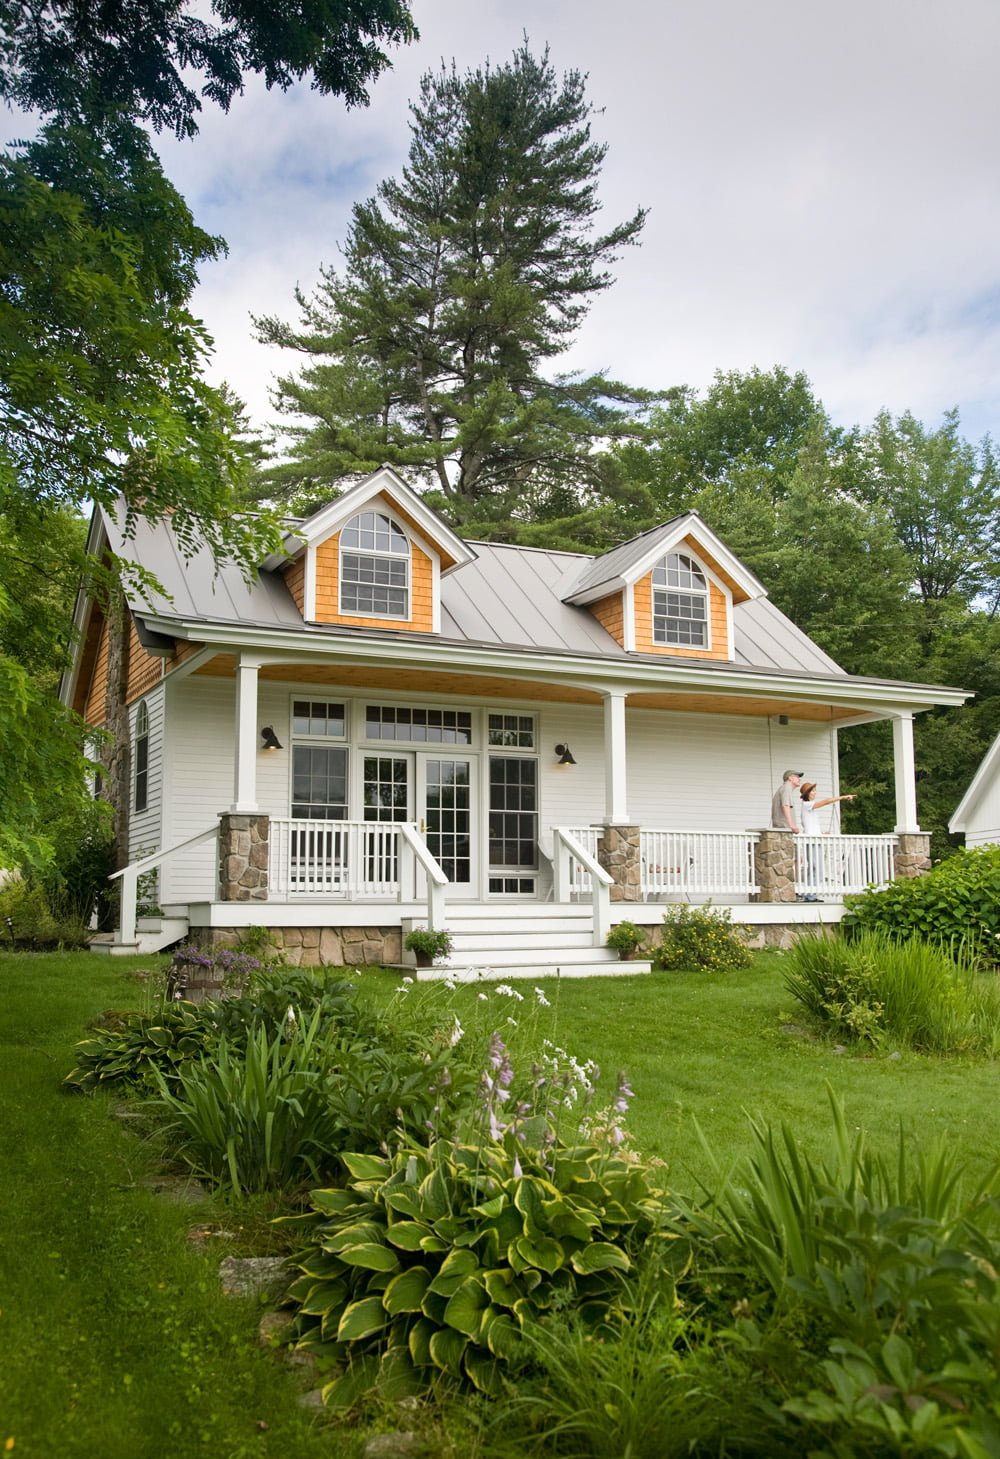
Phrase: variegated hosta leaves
[433,1261]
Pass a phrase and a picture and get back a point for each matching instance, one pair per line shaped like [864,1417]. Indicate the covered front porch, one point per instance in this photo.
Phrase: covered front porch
[501,802]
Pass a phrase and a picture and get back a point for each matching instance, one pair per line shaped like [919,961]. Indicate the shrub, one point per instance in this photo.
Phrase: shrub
[874,989]
[957,903]
[701,937]
[625,938]
[893,1273]
[176,1034]
[256,1118]
[27,919]
[433,1260]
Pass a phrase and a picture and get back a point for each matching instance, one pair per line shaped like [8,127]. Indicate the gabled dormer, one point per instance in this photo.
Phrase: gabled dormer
[670,591]
[373,558]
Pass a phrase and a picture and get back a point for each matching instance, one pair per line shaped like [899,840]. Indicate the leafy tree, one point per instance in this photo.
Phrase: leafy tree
[101,393]
[746,432]
[141,58]
[943,495]
[461,279]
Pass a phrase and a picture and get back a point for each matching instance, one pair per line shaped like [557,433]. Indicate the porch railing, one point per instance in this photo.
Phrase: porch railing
[679,864]
[347,859]
[698,863]
[829,866]
[129,877]
[573,863]
[354,861]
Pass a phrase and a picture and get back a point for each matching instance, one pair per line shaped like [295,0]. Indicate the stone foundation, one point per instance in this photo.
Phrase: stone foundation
[243,857]
[618,852]
[913,855]
[774,866]
[317,947]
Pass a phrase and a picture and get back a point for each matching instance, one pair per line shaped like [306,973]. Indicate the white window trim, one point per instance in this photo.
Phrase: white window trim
[377,510]
[655,588]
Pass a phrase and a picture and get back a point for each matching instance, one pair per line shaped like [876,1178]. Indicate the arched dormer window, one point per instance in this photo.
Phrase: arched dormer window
[680,602]
[141,758]
[374,567]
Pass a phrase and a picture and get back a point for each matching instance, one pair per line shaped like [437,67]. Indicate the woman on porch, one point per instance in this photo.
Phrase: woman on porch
[809,817]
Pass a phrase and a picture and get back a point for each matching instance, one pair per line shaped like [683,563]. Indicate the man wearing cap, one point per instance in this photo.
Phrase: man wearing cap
[783,801]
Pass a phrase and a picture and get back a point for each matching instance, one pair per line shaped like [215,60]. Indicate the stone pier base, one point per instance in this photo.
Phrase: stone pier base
[619,854]
[913,854]
[243,857]
[774,866]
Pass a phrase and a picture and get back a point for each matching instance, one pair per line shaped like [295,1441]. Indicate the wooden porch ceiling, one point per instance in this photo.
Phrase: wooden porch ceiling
[488,686]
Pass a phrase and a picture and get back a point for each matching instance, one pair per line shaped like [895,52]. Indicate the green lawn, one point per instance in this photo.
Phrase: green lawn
[116,1339]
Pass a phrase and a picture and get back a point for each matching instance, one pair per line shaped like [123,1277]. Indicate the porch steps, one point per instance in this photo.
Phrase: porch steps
[152,934]
[538,942]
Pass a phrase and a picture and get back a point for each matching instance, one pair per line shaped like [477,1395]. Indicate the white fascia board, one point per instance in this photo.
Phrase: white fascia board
[270,646]
[326,521]
[988,766]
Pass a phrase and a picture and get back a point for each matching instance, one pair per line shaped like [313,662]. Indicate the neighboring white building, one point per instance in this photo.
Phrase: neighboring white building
[420,718]
[978,813]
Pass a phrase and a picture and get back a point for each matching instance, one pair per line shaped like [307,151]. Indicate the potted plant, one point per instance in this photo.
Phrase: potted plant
[427,944]
[625,939]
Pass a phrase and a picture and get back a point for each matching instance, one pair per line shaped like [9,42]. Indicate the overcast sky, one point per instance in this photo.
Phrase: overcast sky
[822,186]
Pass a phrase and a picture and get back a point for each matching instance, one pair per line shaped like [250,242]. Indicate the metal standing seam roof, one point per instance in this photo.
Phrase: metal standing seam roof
[614,564]
[507,597]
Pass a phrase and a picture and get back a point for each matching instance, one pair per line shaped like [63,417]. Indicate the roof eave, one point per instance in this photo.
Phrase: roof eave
[881,697]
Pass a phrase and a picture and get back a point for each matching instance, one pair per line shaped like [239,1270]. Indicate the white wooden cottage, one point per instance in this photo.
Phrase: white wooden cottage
[977,815]
[390,727]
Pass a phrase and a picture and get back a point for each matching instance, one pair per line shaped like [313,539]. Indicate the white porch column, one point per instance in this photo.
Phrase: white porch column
[245,739]
[906,779]
[615,769]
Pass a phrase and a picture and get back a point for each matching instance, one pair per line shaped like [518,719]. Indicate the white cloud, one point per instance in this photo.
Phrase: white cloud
[821,185]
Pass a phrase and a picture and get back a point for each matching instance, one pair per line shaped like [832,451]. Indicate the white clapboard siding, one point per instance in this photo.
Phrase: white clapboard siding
[982,824]
[145,828]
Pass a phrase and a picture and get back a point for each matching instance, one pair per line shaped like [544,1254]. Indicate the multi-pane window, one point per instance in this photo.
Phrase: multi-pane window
[319,782]
[141,758]
[386,790]
[513,731]
[513,813]
[420,726]
[318,719]
[374,567]
[680,602]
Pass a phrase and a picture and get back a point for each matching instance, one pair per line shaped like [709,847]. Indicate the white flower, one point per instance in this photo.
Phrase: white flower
[512,1022]
[456,1032]
[483,997]
[290,1015]
[505,990]
[542,1000]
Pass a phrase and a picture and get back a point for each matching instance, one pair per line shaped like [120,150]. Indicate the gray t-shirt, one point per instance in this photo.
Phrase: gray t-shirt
[783,796]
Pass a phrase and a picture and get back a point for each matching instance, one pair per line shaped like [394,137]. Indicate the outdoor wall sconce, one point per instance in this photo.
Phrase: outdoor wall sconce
[269,740]
[565,758]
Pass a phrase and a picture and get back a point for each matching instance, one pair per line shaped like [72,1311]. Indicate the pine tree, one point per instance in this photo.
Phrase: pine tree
[461,280]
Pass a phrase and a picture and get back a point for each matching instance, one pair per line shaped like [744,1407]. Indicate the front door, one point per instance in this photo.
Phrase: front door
[446,816]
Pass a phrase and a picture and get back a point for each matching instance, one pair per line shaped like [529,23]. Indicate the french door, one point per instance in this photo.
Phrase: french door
[438,791]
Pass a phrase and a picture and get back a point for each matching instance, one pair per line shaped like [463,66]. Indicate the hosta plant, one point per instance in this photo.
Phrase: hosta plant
[433,1261]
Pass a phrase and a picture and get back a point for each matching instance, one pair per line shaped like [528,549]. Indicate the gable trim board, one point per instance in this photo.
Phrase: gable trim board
[986,778]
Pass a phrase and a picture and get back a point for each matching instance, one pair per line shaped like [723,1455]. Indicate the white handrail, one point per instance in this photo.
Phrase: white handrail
[568,849]
[130,875]
[415,849]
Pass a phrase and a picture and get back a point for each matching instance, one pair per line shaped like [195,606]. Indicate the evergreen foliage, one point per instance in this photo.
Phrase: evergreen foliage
[461,279]
[142,57]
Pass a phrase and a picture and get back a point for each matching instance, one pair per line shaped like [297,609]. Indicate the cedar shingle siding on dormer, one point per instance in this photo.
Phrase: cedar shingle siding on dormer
[610,614]
[718,630]
[421,619]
